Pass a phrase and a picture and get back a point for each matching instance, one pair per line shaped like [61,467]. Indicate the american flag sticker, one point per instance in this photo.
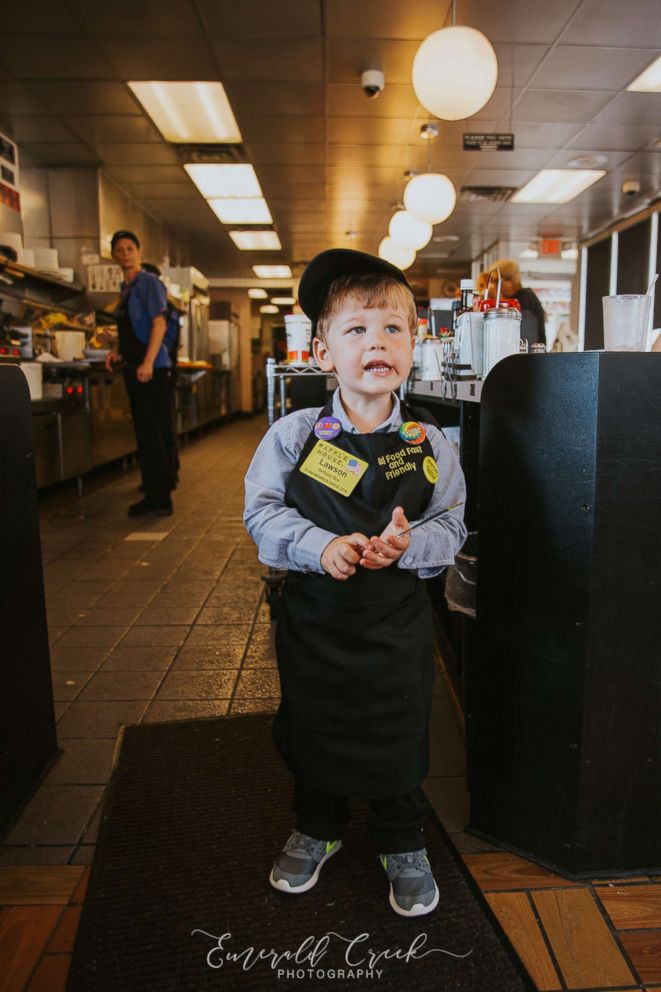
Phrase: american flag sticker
[354,467]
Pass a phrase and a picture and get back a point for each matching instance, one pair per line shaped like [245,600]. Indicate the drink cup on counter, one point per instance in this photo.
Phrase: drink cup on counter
[625,322]
[299,332]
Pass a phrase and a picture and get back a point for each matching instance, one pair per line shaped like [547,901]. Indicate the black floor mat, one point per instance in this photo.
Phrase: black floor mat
[179,899]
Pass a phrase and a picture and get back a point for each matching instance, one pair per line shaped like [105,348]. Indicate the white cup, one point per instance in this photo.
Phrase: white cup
[625,322]
[299,332]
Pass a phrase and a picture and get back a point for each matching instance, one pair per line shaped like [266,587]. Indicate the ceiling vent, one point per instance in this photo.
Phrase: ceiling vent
[214,154]
[496,194]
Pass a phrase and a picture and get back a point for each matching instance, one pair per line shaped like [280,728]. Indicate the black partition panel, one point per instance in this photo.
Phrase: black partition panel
[28,743]
[633,255]
[657,298]
[598,281]
[562,692]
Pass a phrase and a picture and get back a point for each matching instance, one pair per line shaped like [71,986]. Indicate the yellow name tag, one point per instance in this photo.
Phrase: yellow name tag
[334,468]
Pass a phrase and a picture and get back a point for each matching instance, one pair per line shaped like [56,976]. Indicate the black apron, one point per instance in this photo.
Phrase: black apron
[131,348]
[355,656]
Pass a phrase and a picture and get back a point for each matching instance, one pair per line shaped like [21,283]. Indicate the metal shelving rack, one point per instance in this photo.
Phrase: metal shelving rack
[276,371]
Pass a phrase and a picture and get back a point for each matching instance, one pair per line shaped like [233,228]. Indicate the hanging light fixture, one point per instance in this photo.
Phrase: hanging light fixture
[398,255]
[455,71]
[430,197]
[407,230]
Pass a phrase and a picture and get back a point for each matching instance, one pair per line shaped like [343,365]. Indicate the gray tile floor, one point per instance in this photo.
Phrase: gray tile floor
[161,620]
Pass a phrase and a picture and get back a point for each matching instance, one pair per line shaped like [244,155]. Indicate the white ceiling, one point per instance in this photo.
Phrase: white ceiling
[328,159]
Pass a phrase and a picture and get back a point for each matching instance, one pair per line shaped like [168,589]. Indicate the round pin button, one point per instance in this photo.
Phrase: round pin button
[327,428]
[412,432]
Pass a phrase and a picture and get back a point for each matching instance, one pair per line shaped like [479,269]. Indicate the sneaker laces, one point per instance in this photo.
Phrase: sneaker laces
[301,845]
[408,865]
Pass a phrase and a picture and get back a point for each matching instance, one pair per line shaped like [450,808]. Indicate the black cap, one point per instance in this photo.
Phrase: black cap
[336,262]
[118,235]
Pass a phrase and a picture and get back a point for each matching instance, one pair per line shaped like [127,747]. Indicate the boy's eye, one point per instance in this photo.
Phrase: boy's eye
[359,329]
[393,329]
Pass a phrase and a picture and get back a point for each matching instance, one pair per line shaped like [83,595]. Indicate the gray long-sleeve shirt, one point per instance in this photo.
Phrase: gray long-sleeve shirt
[287,540]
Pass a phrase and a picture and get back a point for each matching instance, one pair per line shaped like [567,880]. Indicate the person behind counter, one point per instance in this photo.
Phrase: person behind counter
[141,323]
[533,318]
[354,632]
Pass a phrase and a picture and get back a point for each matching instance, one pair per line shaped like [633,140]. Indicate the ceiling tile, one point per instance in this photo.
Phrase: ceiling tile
[520,158]
[348,58]
[165,191]
[134,174]
[549,136]
[291,60]
[64,154]
[276,154]
[145,17]
[38,57]
[399,156]
[65,97]
[348,100]
[170,58]
[523,23]
[39,129]
[15,99]
[262,18]
[581,67]
[616,137]
[32,16]
[633,108]
[283,175]
[385,18]
[278,98]
[106,128]
[115,154]
[609,22]
[563,158]
[371,130]
[290,130]
[516,63]
[562,106]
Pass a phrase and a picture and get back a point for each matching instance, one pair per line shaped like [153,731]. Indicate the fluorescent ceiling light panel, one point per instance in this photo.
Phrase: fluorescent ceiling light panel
[224,180]
[189,112]
[649,80]
[557,185]
[241,211]
[256,240]
[268,308]
[258,294]
[272,271]
[283,301]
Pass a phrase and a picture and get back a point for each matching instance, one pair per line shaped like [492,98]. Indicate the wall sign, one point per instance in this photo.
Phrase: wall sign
[489,142]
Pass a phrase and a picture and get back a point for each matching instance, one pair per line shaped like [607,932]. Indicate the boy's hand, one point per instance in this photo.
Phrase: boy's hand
[383,551]
[341,556]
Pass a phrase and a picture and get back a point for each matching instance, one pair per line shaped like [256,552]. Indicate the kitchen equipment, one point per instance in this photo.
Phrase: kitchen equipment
[440,316]
[431,359]
[34,374]
[25,257]
[12,240]
[299,332]
[70,345]
[625,321]
[16,341]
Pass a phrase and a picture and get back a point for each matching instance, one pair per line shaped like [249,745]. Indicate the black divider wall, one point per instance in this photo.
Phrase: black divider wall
[633,258]
[598,280]
[27,720]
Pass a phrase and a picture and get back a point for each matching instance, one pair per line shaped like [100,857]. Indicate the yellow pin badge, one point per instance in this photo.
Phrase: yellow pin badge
[333,467]
[430,469]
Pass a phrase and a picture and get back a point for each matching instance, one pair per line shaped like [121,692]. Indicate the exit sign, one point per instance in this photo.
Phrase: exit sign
[550,246]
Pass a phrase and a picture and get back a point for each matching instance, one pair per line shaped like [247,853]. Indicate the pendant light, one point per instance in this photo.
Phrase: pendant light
[398,255]
[407,230]
[455,71]
[431,196]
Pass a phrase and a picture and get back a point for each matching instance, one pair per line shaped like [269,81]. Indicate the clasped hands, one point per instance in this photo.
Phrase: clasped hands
[344,554]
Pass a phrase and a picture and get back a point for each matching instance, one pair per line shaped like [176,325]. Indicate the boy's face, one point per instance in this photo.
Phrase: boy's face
[370,349]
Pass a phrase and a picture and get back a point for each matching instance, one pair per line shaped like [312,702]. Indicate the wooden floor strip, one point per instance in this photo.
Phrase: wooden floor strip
[584,947]
[497,870]
[24,934]
[64,937]
[42,886]
[517,919]
[634,908]
[644,949]
[51,975]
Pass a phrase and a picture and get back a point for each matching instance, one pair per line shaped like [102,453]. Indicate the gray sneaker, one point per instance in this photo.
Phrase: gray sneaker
[413,891]
[296,868]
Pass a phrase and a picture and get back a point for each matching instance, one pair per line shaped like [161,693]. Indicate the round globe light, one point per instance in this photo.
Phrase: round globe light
[455,72]
[398,255]
[407,230]
[430,197]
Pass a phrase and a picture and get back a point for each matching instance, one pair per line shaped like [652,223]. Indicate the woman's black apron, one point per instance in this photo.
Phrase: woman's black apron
[355,656]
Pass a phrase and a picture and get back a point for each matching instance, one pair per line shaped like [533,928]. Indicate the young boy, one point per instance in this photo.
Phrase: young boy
[328,494]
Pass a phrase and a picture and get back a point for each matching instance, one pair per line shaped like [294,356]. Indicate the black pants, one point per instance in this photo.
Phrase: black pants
[395,824]
[152,419]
